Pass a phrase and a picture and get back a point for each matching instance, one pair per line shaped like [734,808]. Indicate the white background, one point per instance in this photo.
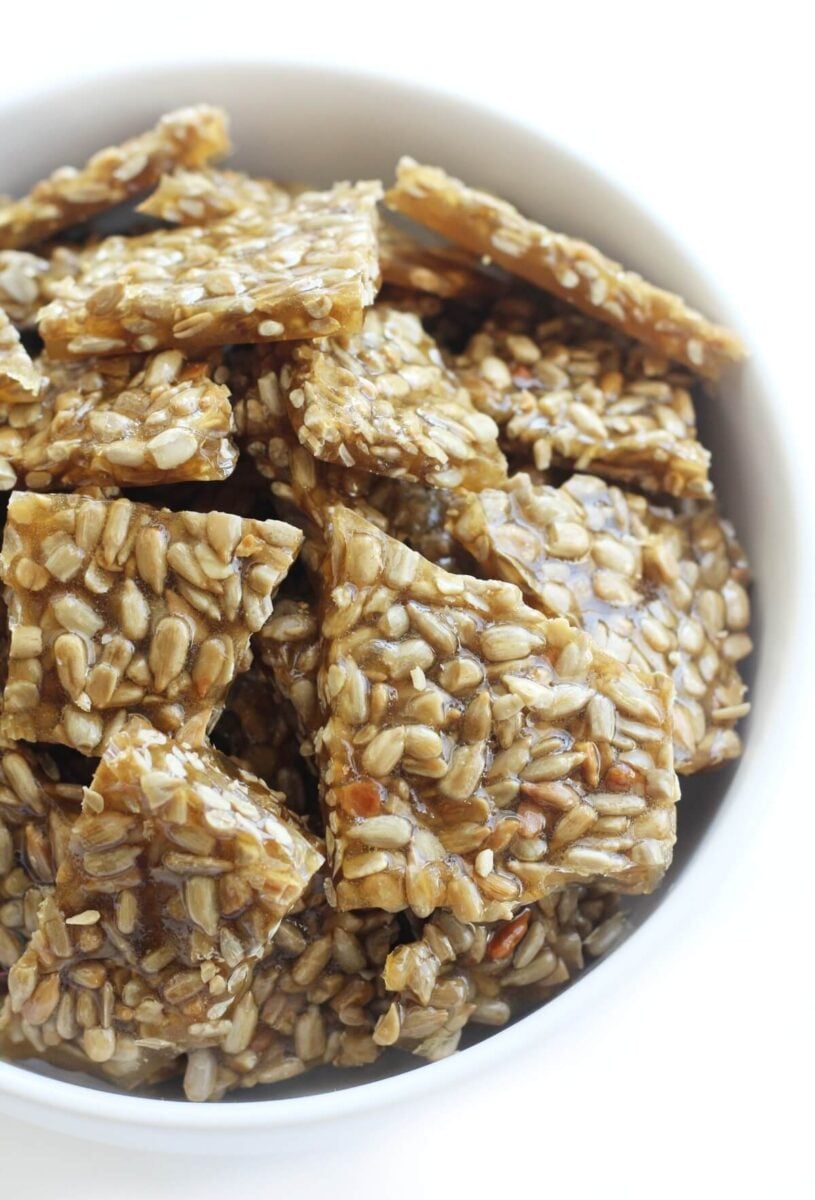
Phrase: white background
[706,112]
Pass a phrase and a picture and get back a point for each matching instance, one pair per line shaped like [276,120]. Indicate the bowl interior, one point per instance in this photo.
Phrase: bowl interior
[319,125]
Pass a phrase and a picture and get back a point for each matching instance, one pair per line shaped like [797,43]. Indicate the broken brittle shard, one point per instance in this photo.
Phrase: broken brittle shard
[572,270]
[475,755]
[188,136]
[118,609]
[263,276]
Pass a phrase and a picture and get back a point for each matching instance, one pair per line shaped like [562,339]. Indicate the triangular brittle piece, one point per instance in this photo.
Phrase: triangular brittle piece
[189,136]
[572,270]
[119,609]
[662,592]
[255,276]
[569,393]
[384,400]
[474,754]
[176,877]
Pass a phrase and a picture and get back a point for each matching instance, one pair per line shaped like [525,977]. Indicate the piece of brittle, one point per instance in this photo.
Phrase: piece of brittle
[458,972]
[570,269]
[129,421]
[314,1002]
[570,394]
[662,592]
[176,877]
[189,136]
[304,273]
[37,810]
[441,271]
[21,381]
[199,197]
[118,609]
[474,754]
[383,400]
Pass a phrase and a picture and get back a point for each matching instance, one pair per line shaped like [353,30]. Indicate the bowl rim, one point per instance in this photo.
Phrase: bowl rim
[41,1092]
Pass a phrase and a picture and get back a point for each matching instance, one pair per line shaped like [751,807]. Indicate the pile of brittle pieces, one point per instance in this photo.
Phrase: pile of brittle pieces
[365,599]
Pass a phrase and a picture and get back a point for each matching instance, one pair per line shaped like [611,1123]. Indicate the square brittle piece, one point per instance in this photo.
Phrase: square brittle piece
[176,877]
[570,269]
[384,400]
[258,276]
[661,592]
[129,421]
[20,379]
[118,609]
[188,136]
[569,393]
[474,754]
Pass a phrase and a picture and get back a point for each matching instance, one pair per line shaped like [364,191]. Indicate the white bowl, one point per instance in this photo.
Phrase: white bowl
[319,125]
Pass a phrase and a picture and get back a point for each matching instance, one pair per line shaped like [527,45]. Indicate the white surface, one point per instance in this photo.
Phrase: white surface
[703,122]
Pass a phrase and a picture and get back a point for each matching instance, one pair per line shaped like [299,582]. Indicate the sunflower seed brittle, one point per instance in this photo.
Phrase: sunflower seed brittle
[139,611]
[570,394]
[661,592]
[198,197]
[191,136]
[384,400]
[572,270]
[177,875]
[20,379]
[130,421]
[448,707]
[305,273]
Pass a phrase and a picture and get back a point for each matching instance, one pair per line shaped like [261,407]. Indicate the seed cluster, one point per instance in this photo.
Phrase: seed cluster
[569,394]
[189,136]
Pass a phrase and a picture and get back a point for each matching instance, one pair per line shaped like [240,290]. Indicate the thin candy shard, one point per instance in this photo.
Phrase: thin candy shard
[383,400]
[661,592]
[130,421]
[254,276]
[449,709]
[570,269]
[120,609]
[570,394]
[189,136]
